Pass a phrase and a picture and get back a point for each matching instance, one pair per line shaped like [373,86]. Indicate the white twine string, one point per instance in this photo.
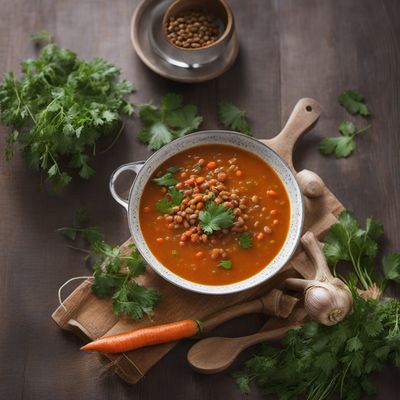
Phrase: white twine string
[65,284]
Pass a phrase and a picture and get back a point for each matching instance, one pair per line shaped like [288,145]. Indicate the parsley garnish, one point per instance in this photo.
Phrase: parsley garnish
[233,118]
[59,108]
[225,264]
[165,180]
[353,102]
[114,271]
[173,169]
[245,240]
[165,206]
[343,146]
[215,217]
[168,122]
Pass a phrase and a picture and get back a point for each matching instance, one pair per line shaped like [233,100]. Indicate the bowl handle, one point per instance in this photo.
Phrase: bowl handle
[135,167]
[302,119]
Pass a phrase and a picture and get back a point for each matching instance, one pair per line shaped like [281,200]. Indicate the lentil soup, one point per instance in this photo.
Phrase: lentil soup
[215,214]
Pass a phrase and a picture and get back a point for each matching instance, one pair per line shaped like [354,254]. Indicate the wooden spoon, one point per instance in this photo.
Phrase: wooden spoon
[215,354]
[274,303]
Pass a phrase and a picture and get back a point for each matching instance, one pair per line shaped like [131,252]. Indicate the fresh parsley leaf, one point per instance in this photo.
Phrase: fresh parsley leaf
[353,102]
[342,146]
[170,121]
[79,227]
[242,380]
[233,118]
[42,37]
[173,168]
[391,267]
[346,241]
[59,109]
[115,270]
[374,228]
[215,217]
[135,300]
[225,264]
[165,180]
[354,344]
[165,206]
[136,264]
[245,240]
[322,362]
[105,283]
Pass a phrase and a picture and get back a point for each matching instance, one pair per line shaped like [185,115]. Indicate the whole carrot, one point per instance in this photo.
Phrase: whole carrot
[143,337]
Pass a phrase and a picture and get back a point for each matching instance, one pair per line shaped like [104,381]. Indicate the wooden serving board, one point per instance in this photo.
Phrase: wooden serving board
[89,317]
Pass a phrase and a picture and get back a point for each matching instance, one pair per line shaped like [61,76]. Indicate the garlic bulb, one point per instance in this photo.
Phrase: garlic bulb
[327,299]
[327,302]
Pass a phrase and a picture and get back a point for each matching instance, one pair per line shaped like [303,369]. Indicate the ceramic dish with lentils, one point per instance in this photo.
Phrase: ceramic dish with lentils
[193,29]
[215,214]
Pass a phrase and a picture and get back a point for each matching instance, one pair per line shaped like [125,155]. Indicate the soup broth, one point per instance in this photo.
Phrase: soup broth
[215,214]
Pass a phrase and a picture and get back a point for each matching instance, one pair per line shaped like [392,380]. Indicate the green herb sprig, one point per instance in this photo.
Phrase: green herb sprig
[319,361]
[231,117]
[171,120]
[59,108]
[342,146]
[246,240]
[174,198]
[354,102]
[114,271]
[215,217]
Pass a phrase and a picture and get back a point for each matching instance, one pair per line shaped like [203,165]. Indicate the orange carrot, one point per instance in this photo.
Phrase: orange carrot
[211,165]
[143,337]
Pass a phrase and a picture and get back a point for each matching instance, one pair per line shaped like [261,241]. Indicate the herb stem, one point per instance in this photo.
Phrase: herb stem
[79,249]
[114,140]
[21,102]
[363,129]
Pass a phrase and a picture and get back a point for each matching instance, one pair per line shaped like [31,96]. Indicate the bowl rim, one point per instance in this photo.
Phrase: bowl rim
[196,287]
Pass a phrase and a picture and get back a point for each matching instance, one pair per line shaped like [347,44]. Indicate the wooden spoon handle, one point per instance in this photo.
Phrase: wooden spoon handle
[303,117]
[274,303]
[254,306]
[263,336]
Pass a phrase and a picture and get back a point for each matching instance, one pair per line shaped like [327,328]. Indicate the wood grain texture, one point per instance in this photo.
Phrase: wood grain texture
[288,50]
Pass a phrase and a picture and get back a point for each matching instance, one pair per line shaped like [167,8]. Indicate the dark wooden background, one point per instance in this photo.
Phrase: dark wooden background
[288,50]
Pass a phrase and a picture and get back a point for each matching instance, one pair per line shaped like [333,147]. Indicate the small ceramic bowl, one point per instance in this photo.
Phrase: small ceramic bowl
[189,57]
[145,170]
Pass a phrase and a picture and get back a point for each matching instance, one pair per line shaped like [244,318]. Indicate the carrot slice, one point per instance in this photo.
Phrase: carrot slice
[143,337]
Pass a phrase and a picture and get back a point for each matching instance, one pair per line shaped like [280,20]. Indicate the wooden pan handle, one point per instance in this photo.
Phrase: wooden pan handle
[302,119]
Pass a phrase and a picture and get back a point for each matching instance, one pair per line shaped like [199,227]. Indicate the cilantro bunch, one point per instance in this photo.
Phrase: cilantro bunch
[114,271]
[319,361]
[348,242]
[59,108]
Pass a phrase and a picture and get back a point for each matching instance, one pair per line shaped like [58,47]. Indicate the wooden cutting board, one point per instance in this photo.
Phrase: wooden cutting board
[89,317]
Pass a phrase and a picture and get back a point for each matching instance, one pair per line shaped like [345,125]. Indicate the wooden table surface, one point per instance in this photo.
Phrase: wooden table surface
[288,50]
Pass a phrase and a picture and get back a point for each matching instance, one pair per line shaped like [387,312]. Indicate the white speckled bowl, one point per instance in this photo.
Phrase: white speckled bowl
[144,171]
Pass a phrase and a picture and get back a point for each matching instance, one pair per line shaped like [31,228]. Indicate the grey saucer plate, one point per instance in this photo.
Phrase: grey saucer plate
[142,26]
